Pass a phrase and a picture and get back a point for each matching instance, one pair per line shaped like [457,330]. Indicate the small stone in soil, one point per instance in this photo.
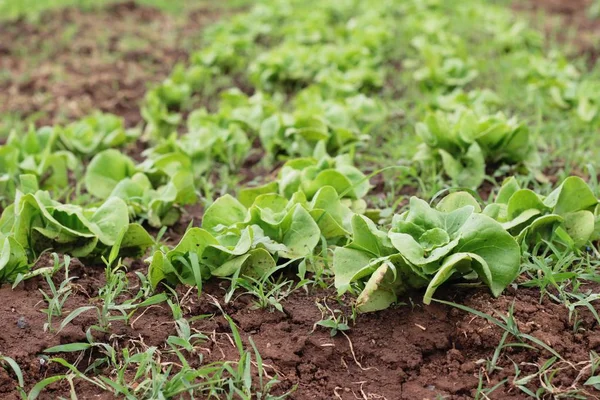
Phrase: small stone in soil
[22,323]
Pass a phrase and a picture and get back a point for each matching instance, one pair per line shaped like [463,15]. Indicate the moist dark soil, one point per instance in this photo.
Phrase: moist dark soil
[71,63]
[407,352]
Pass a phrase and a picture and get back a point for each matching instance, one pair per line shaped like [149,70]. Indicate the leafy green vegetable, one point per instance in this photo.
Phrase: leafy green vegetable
[235,239]
[238,109]
[38,223]
[568,213]
[339,124]
[95,133]
[160,120]
[551,79]
[426,247]
[294,65]
[228,50]
[465,142]
[13,259]
[442,62]
[480,101]
[34,153]
[344,58]
[223,136]
[152,190]
[309,175]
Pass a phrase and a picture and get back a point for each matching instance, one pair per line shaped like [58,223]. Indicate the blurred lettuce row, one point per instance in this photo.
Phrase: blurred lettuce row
[226,135]
[552,80]
[97,132]
[340,124]
[309,174]
[229,47]
[347,60]
[236,240]
[54,154]
[438,55]
[442,62]
[280,47]
[35,223]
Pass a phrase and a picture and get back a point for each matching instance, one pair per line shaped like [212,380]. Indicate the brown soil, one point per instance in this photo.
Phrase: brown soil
[70,63]
[583,30]
[417,352]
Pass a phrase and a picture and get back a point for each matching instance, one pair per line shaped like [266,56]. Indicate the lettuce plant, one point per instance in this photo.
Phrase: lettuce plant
[231,46]
[465,142]
[555,81]
[235,239]
[510,34]
[310,174]
[152,190]
[95,133]
[38,223]
[426,247]
[228,50]
[222,136]
[440,63]
[551,80]
[339,47]
[160,120]
[236,108]
[293,65]
[339,124]
[163,102]
[569,213]
[202,146]
[34,153]
[586,100]
[480,101]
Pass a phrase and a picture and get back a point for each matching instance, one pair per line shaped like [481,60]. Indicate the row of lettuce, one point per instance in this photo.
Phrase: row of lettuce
[299,222]
[317,74]
[347,51]
[463,131]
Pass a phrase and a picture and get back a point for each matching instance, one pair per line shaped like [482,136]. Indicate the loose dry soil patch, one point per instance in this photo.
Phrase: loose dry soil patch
[73,62]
